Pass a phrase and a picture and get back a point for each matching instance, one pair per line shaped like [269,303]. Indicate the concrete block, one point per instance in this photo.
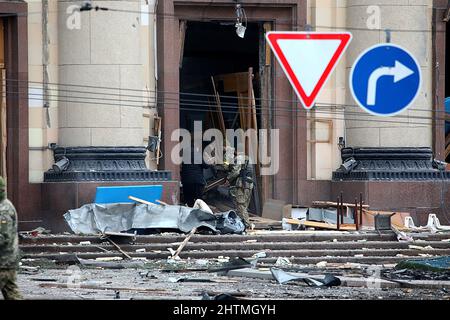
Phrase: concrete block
[35,137]
[35,44]
[131,117]
[84,115]
[418,43]
[115,35]
[363,137]
[36,118]
[362,40]
[117,137]
[35,73]
[36,176]
[406,137]
[90,75]
[36,160]
[74,34]
[34,6]
[132,77]
[75,137]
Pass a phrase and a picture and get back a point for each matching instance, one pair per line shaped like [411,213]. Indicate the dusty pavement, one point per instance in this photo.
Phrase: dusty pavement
[55,266]
[73,282]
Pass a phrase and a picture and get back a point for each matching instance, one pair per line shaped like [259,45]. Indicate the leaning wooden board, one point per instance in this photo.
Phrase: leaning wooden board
[327,226]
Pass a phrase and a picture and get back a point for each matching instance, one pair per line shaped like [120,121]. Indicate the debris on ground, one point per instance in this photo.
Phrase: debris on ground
[283,277]
[35,232]
[415,274]
[281,261]
[440,264]
[112,264]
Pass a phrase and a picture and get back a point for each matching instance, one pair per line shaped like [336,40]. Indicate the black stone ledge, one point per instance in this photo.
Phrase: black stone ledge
[104,164]
[390,164]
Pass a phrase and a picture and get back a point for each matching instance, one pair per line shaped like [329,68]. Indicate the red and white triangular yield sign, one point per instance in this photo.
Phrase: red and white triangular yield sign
[308,59]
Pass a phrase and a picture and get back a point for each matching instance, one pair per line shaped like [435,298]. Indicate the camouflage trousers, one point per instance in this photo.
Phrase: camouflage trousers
[8,285]
[241,199]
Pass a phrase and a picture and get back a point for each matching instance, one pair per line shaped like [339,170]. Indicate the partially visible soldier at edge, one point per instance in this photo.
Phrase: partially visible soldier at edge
[241,186]
[9,247]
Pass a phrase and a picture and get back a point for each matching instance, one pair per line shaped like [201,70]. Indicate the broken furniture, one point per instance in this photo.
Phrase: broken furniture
[433,225]
[383,221]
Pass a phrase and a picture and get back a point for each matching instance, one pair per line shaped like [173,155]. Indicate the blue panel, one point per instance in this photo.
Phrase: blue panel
[120,194]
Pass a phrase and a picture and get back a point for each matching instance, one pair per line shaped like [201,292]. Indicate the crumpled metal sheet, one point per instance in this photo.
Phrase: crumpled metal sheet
[283,277]
[119,217]
[326,215]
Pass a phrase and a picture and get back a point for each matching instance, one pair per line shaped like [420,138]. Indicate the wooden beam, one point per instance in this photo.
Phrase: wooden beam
[184,243]
[328,226]
[142,201]
[218,112]
[334,204]
[126,255]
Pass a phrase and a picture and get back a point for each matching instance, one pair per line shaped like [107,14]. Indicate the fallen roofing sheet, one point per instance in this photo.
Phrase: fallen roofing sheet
[119,217]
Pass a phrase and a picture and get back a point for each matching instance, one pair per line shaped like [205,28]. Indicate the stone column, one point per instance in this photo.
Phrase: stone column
[410,22]
[100,55]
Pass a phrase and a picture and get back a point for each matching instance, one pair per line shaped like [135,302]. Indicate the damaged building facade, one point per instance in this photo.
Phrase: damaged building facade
[83,90]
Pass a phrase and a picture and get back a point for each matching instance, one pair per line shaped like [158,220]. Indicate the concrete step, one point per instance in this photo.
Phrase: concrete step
[237,246]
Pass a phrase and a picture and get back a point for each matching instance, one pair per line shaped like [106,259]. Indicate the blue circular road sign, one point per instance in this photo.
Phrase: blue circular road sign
[385,79]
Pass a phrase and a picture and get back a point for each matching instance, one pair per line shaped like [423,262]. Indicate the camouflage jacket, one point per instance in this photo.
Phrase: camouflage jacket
[9,245]
[235,178]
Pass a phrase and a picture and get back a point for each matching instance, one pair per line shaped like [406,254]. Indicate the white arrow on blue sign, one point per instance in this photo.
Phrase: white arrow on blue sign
[385,79]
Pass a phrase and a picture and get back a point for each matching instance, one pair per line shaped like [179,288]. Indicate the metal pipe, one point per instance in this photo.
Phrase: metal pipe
[355,214]
[342,208]
[360,209]
[338,214]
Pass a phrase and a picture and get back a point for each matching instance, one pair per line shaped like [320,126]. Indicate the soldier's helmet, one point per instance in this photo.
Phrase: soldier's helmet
[2,189]
[228,155]
[241,158]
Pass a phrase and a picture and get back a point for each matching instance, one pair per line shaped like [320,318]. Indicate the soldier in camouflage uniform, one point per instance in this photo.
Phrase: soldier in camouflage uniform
[9,247]
[241,186]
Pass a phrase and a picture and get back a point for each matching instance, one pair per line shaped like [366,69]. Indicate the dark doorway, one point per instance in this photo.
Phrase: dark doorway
[212,49]
[212,54]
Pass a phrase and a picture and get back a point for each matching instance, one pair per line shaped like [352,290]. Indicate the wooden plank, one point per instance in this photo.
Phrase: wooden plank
[142,201]
[161,203]
[214,184]
[328,226]
[184,243]
[119,234]
[268,28]
[266,124]
[126,255]
[334,204]
[234,82]
[242,114]
[218,113]
[292,221]
[263,220]
[157,131]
